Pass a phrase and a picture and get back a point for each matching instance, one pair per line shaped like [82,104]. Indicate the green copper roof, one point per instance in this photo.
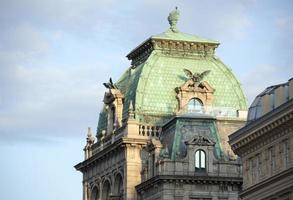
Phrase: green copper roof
[179,36]
[157,69]
[162,73]
[151,85]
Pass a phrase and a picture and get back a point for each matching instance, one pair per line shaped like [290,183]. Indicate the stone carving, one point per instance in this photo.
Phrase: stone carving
[201,141]
[90,140]
[108,98]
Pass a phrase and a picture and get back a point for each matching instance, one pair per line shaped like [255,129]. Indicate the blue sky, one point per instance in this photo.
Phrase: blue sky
[55,55]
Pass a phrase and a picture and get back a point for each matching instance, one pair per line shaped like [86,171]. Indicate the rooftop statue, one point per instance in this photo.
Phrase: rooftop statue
[110,84]
[196,77]
[173,19]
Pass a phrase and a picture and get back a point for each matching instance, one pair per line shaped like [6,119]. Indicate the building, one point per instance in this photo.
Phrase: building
[163,131]
[265,145]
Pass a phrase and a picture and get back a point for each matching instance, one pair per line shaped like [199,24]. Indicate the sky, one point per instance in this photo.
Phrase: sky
[55,55]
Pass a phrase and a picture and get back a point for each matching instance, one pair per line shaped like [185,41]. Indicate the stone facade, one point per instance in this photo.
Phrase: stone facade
[265,145]
[130,165]
[178,178]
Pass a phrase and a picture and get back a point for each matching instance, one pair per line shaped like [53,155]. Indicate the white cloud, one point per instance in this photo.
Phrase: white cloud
[49,101]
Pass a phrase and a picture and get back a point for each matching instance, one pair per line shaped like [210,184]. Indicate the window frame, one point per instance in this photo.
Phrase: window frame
[201,165]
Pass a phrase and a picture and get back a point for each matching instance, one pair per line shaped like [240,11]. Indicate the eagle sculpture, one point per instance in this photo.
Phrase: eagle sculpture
[110,84]
[196,77]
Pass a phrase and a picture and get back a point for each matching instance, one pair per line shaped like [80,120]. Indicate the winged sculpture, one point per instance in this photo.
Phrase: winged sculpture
[196,77]
[110,84]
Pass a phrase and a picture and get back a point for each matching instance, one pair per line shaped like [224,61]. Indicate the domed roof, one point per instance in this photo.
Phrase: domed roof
[256,108]
[158,68]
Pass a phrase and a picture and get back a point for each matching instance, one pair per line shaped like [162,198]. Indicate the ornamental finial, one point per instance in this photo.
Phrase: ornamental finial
[131,110]
[173,19]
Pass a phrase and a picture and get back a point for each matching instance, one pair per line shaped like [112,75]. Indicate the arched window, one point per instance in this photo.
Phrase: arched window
[118,186]
[200,161]
[106,190]
[95,194]
[195,105]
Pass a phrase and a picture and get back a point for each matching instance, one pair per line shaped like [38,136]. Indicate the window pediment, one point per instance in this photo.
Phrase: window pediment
[194,90]
[191,86]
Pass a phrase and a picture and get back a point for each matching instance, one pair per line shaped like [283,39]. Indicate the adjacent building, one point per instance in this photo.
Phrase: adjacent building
[163,131]
[265,145]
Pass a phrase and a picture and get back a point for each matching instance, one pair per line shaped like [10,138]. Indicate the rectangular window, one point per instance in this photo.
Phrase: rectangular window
[258,166]
[153,165]
[251,170]
[272,101]
[286,92]
[286,153]
[272,159]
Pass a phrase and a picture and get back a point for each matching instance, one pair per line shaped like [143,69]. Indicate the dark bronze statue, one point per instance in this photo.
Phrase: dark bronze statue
[110,84]
[196,77]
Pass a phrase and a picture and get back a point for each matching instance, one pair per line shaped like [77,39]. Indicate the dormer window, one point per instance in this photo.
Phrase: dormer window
[200,161]
[195,106]
[194,94]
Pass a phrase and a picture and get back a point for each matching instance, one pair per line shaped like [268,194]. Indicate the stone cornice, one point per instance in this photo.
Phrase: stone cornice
[268,138]
[116,146]
[188,180]
[230,119]
[196,48]
[280,117]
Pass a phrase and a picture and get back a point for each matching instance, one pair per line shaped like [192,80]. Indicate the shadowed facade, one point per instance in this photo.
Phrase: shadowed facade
[265,145]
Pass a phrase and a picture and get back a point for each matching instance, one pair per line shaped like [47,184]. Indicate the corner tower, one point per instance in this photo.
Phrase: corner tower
[167,117]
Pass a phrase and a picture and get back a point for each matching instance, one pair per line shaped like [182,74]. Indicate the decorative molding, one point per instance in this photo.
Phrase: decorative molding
[141,53]
[159,179]
[109,150]
[266,134]
[191,89]
[200,141]
[283,115]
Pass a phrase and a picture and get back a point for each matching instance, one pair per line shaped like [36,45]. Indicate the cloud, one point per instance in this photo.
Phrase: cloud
[49,102]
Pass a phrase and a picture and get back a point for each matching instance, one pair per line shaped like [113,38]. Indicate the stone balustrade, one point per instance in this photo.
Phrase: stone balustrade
[149,130]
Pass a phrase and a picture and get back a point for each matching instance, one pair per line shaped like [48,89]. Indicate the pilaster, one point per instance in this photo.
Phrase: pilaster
[132,170]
